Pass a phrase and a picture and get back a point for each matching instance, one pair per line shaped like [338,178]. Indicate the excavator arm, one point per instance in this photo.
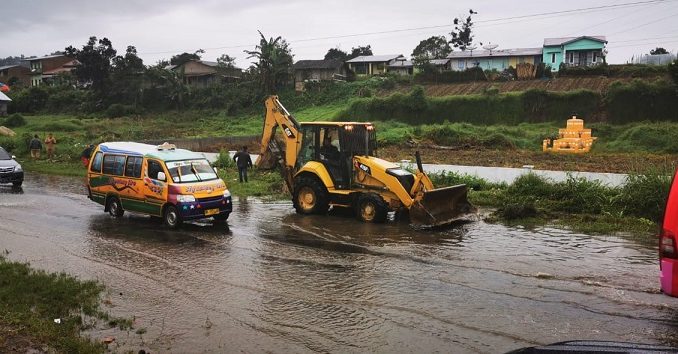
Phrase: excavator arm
[278,116]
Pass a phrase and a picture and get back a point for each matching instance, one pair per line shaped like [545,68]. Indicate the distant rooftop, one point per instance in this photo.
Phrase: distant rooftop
[45,57]
[439,61]
[564,40]
[318,64]
[374,58]
[401,64]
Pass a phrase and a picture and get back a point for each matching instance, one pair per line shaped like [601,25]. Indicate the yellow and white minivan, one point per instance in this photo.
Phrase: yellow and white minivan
[161,181]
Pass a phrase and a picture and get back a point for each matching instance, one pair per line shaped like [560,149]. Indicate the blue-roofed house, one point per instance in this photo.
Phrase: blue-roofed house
[498,59]
[574,51]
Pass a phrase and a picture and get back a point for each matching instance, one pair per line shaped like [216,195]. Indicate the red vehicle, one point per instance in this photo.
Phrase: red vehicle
[668,253]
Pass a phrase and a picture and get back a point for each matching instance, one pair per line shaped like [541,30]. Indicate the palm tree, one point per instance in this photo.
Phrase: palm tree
[274,62]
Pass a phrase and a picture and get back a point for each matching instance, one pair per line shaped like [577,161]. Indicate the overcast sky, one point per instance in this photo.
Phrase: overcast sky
[160,29]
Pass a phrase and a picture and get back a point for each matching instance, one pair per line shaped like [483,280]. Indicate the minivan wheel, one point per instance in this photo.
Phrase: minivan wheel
[114,207]
[171,217]
[17,184]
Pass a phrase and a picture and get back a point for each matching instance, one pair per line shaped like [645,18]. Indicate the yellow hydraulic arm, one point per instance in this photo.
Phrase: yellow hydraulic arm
[277,115]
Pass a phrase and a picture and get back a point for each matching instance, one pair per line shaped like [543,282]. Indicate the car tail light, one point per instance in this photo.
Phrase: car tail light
[667,244]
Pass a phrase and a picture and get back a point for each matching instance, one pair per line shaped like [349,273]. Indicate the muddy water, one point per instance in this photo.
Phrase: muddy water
[275,281]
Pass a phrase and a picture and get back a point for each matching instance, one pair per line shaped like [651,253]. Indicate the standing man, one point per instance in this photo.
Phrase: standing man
[35,146]
[50,142]
[243,161]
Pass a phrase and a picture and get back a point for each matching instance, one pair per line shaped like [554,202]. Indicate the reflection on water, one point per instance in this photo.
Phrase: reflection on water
[272,280]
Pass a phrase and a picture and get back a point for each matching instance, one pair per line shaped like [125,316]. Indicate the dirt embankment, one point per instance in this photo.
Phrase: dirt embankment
[598,84]
[591,162]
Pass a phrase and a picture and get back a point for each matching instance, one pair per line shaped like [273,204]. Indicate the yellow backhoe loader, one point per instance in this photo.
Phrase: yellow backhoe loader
[334,164]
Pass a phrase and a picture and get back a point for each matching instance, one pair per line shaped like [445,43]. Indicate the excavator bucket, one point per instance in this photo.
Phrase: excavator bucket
[441,206]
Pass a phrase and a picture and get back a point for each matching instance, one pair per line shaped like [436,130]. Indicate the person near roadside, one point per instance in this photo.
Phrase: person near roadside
[50,143]
[86,155]
[243,161]
[35,146]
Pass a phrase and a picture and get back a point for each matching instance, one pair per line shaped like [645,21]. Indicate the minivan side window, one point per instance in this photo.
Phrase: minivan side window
[133,168]
[114,164]
[154,167]
[96,163]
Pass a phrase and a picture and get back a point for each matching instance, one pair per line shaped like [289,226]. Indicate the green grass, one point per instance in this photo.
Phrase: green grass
[31,299]
[265,184]
[585,206]
[63,168]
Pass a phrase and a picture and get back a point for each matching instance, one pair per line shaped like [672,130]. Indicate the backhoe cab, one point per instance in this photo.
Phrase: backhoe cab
[334,164]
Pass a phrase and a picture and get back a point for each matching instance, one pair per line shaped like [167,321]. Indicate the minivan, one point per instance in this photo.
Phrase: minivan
[162,181]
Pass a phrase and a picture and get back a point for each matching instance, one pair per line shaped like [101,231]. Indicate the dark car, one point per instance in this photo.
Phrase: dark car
[10,170]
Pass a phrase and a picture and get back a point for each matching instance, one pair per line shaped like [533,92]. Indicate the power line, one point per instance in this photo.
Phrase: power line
[645,24]
[521,17]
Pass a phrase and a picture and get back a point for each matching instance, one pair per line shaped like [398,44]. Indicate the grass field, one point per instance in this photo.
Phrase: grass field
[31,299]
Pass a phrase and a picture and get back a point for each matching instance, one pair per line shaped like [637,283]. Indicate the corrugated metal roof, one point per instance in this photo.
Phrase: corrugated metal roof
[374,58]
[401,64]
[496,53]
[4,97]
[45,57]
[564,40]
[439,61]
[8,66]
[317,64]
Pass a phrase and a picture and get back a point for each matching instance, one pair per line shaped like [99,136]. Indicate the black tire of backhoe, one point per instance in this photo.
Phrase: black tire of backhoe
[380,206]
[321,195]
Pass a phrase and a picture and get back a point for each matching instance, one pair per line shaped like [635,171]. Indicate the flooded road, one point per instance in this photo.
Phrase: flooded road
[273,281]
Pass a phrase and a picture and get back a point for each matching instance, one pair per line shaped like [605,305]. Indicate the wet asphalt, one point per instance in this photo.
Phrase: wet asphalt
[274,281]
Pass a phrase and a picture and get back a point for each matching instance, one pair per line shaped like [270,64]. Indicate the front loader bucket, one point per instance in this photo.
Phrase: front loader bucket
[441,206]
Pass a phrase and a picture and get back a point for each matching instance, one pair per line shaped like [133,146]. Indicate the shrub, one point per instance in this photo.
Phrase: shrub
[644,195]
[30,100]
[15,120]
[8,143]
[224,160]
[468,75]
[519,209]
[119,110]
[673,71]
[641,100]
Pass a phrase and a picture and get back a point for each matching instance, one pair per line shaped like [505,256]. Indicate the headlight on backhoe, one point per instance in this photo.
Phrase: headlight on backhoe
[185,198]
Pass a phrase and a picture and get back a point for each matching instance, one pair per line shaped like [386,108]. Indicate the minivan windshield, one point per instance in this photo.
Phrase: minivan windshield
[4,155]
[186,171]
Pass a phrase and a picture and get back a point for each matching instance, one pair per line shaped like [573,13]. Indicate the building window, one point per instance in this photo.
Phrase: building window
[595,57]
[553,58]
[460,64]
[570,56]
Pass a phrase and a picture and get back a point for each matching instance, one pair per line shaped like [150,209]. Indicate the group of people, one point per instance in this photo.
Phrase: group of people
[35,146]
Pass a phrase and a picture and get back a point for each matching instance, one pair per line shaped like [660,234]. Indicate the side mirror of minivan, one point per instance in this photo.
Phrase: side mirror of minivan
[161,176]
[215,170]
[13,157]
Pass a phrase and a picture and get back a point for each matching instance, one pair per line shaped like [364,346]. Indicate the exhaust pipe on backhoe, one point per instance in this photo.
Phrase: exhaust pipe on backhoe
[442,206]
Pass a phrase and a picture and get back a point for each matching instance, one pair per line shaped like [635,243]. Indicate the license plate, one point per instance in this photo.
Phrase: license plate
[211,212]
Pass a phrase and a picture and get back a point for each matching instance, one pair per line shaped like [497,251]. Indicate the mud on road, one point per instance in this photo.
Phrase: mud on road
[275,281]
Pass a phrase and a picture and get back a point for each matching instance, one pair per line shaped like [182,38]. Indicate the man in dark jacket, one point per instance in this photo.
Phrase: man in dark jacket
[35,146]
[243,161]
